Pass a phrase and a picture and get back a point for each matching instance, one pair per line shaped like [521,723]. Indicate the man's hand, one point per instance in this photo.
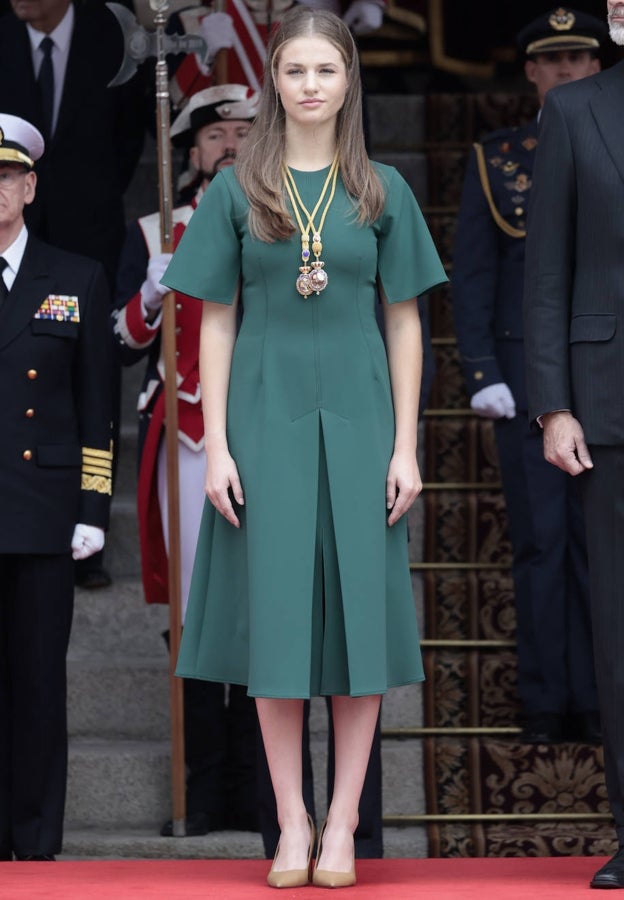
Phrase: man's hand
[87,540]
[152,291]
[564,443]
[494,402]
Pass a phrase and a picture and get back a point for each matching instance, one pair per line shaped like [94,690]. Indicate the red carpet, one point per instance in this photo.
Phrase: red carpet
[560,878]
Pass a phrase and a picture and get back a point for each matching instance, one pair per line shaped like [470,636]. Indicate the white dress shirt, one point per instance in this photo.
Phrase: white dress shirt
[13,255]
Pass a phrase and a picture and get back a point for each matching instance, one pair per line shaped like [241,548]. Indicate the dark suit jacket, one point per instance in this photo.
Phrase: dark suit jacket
[97,140]
[574,300]
[55,404]
[488,263]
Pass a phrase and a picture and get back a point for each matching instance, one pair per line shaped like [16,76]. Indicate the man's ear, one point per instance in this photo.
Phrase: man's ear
[30,188]
[529,70]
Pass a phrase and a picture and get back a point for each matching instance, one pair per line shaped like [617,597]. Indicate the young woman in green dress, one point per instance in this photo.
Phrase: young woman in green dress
[301,584]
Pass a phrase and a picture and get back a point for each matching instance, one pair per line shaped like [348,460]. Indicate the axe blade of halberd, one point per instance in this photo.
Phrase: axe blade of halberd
[139,44]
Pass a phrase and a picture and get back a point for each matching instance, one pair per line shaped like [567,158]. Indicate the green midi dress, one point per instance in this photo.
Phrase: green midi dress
[312,595]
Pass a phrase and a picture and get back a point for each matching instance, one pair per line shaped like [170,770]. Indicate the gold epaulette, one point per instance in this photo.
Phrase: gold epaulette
[485,184]
[97,469]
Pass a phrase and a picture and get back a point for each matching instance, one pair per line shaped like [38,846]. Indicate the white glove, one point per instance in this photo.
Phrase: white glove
[87,540]
[494,402]
[363,16]
[152,291]
[217,30]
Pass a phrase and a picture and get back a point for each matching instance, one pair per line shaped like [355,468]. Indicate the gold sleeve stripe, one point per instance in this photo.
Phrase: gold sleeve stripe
[96,470]
[99,483]
[485,184]
[101,454]
[96,461]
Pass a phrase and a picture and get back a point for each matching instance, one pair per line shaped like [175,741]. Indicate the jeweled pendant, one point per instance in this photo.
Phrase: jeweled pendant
[303,283]
[318,277]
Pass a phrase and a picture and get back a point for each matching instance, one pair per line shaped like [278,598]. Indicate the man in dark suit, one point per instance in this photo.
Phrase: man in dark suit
[556,681]
[575,357]
[55,483]
[79,203]
[56,60]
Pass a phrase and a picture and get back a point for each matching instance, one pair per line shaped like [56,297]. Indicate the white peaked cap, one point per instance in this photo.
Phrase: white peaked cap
[20,142]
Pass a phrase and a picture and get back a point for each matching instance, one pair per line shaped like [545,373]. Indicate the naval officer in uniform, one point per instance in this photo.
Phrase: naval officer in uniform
[556,681]
[55,485]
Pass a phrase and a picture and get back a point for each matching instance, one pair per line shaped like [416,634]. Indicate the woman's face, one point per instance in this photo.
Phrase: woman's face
[311,80]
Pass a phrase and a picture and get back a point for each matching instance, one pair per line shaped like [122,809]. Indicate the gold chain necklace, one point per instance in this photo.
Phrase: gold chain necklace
[312,278]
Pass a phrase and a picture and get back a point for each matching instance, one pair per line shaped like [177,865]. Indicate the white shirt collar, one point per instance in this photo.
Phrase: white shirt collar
[14,254]
[61,34]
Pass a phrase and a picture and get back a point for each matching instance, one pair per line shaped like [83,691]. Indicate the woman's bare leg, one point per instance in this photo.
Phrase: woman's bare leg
[281,723]
[355,719]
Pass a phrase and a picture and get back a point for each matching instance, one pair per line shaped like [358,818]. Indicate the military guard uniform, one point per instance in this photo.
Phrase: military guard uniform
[55,485]
[556,679]
[220,737]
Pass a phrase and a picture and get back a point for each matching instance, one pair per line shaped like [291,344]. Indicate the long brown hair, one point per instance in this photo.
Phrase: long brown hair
[260,160]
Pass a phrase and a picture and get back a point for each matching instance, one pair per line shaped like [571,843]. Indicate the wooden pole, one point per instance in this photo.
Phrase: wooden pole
[168,339]
[220,67]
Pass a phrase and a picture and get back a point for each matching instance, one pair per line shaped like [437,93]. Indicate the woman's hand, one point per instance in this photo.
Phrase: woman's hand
[403,484]
[222,480]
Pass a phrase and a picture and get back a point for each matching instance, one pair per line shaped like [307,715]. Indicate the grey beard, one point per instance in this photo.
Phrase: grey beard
[616,32]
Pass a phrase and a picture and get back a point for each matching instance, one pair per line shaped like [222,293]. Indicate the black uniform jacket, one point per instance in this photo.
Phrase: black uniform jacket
[55,404]
[97,141]
[488,260]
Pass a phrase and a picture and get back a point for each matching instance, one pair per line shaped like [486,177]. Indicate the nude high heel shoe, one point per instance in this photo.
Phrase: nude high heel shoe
[292,878]
[326,878]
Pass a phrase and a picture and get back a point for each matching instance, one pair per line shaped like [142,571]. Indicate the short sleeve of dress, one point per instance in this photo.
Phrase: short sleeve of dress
[408,264]
[206,263]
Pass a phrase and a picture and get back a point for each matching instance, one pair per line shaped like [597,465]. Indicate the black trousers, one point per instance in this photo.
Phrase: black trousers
[369,833]
[36,607]
[550,573]
[603,501]
[220,726]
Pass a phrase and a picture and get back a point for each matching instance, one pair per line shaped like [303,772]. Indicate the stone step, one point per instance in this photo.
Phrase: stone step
[117,622]
[111,783]
[122,551]
[143,843]
[117,698]
[114,782]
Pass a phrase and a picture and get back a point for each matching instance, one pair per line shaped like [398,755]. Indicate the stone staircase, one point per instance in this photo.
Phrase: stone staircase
[119,778]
